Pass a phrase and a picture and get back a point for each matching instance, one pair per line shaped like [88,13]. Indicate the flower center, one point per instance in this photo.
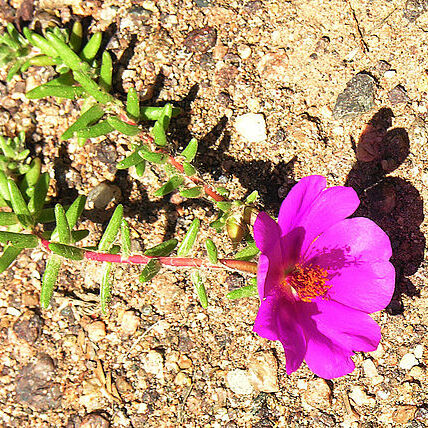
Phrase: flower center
[309,282]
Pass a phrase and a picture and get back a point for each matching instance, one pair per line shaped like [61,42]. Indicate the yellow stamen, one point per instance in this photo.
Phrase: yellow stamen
[308,282]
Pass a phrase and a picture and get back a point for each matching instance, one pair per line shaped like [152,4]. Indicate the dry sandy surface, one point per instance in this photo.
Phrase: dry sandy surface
[158,358]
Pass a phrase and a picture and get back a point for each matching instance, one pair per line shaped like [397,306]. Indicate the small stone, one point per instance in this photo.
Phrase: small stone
[370,369]
[318,394]
[239,382]
[130,323]
[244,51]
[251,127]
[398,95]
[253,6]
[184,362]
[28,326]
[273,66]
[204,3]
[153,363]
[419,351]
[414,9]
[96,331]
[262,369]
[404,414]
[224,98]
[417,372]
[182,379]
[408,361]
[360,398]
[35,387]
[102,195]
[380,351]
[201,40]
[357,98]
[382,67]
[94,420]
[390,74]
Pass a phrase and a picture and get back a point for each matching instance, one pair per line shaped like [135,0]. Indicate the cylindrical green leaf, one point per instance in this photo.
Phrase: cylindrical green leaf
[62,226]
[97,130]
[252,197]
[123,127]
[224,205]
[154,113]
[112,229]
[105,288]
[38,199]
[68,92]
[43,44]
[193,192]
[140,168]
[131,160]
[76,36]
[67,251]
[153,157]
[163,249]
[6,147]
[91,48]
[4,188]
[50,276]
[172,184]
[158,132]
[211,251]
[21,240]
[150,270]
[189,239]
[10,253]
[198,283]
[18,204]
[133,104]
[190,150]
[41,61]
[125,239]
[92,87]
[90,116]
[248,253]
[247,291]
[33,174]
[8,219]
[106,72]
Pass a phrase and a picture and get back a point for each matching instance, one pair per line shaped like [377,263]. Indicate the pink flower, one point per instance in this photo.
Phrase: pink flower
[319,276]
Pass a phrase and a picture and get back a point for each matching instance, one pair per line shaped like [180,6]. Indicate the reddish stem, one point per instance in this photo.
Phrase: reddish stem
[243,266]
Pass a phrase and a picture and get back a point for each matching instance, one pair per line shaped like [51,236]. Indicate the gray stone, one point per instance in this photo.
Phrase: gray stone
[357,98]
[100,196]
[201,40]
[414,9]
[398,95]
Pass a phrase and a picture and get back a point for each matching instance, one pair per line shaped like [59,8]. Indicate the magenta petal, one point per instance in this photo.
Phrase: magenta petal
[270,267]
[356,253]
[277,320]
[333,332]
[299,200]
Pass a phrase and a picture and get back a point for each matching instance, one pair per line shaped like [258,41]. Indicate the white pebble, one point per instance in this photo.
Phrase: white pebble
[418,351]
[408,361]
[238,381]
[252,127]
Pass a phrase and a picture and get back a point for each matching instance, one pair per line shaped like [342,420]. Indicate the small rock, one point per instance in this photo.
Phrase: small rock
[370,369]
[252,6]
[204,3]
[404,414]
[378,353]
[318,394]
[201,40]
[360,398]
[417,372]
[262,369]
[382,67]
[239,382]
[182,379]
[106,153]
[102,195]
[28,326]
[251,127]
[419,351]
[273,66]
[414,9]
[390,74]
[130,323]
[35,386]
[224,98]
[244,51]
[408,361]
[184,362]
[96,331]
[94,420]
[153,363]
[357,98]
[225,76]
[398,95]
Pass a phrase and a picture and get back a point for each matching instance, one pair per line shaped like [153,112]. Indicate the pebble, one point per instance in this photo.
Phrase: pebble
[239,382]
[130,323]
[390,74]
[404,414]
[35,386]
[96,331]
[252,127]
[398,95]
[360,398]
[274,67]
[94,420]
[318,394]
[28,326]
[419,351]
[414,9]
[102,195]
[370,369]
[182,379]
[357,98]
[417,372]
[262,370]
[184,362]
[408,361]
[153,363]
[201,40]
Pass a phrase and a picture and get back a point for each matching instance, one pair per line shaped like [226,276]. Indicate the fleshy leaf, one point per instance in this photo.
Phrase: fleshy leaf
[193,192]
[133,104]
[211,251]
[10,253]
[189,239]
[246,291]
[150,270]
[90,116]
[162,250]
[173,183]
[112,230]
[62,226]
[198,283]
[67,251]
[190,150]
[247,253]
[22,240]
[50,276]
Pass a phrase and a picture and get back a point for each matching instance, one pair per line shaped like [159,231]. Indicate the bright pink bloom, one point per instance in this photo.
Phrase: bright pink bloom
[319,276]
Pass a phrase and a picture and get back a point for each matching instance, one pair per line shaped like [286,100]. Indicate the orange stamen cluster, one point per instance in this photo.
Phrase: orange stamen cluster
[309,282]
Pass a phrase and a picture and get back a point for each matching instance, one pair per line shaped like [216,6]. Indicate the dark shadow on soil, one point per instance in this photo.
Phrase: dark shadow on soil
[391,202]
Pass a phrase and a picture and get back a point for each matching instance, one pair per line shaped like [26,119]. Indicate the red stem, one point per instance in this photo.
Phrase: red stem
[243,266]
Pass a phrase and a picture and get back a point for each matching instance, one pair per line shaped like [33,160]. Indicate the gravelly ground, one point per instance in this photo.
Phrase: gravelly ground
[158,358]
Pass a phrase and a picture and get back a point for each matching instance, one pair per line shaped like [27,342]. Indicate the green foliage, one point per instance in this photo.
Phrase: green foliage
[163,249]
[246,291]
[198,283]
[189,239]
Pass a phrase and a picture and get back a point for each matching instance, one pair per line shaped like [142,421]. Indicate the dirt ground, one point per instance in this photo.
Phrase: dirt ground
[342,86]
